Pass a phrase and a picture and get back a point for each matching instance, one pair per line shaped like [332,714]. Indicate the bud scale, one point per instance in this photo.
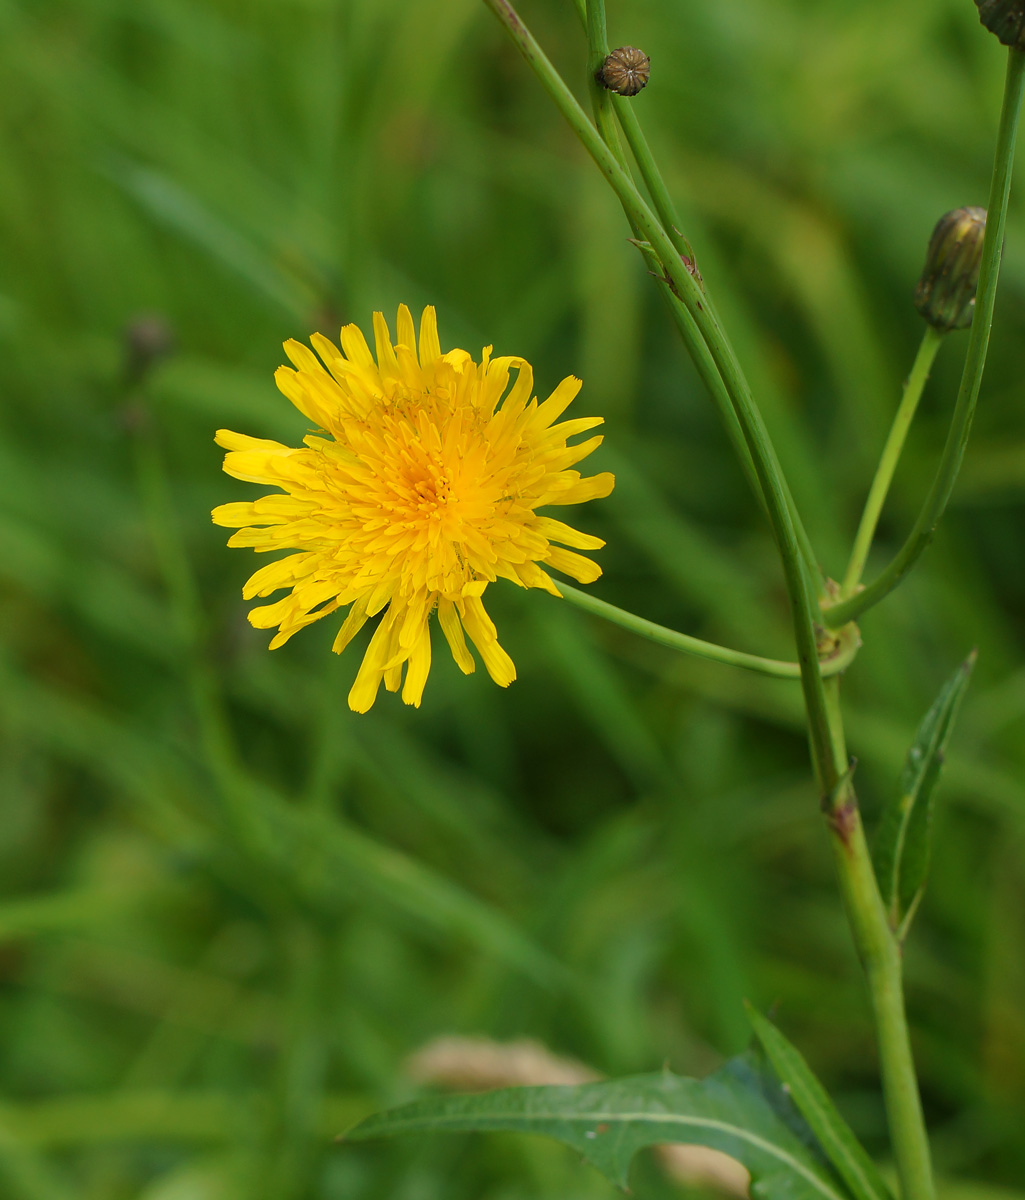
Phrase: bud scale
[1005,18]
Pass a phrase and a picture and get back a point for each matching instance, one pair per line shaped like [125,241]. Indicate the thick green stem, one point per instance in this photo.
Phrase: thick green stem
[888,461]
[839,660]
[880,955]
[975,361]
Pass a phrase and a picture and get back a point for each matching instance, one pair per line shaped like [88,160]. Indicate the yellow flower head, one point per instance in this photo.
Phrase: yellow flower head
[419,489]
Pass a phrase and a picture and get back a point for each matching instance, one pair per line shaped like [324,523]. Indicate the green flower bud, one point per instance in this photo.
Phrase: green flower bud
[945,294]
[1005,18]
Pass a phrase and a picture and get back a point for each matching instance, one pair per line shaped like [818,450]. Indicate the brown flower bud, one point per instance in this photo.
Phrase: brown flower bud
[1005,18]
[625,71]
[148,337]
[945,294]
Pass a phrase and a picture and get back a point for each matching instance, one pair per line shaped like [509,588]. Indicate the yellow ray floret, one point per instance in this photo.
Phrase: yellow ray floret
[420,487]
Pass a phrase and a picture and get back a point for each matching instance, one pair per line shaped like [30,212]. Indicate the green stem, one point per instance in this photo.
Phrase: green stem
[592,13]
[593,16]
[601,98]
[770,476]
[840,659]
[709,373]
[890,456]
[975,361]
[604,103]
[652,176]
[880,955]
[803,604]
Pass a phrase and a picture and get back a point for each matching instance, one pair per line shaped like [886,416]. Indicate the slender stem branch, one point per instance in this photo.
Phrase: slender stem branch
[770,476]
[652,176]
[605,114]
[891,454]
[975,361]
[841,658]
[879,952]
[592,16]
[601,98]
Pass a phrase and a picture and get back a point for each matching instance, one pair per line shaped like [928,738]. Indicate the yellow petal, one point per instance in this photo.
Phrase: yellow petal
[405,334]
[523,388]
[354,621]
[386,363]
[292,627]
[312,401]
[482,633]
[259,466]
[355,347]
[557,402]
[574,565]
[302,357]
[573,454]
[452,628]
[578,491]
[283,573]
[234,516]
[269,615]
[430,347]
[418,669]
[368,679]
[567,429]
[393,677]
[557,531]
[242,441]
[338,365]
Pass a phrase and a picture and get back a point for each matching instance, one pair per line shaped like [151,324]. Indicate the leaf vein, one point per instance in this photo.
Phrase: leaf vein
[518,1119]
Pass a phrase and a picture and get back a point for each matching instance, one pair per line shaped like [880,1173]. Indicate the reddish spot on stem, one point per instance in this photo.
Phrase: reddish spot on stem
[843,820]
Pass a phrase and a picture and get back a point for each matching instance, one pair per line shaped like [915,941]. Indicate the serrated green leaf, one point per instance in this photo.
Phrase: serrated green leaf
[834,1135]
[736,1110]
[902,844]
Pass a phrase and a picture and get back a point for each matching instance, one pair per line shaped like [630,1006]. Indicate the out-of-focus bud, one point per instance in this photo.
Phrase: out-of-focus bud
[625,71]
[945,294]
[147,338]
[1005,18]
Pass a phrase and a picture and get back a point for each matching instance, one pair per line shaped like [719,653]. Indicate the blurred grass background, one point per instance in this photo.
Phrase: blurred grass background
[231,909]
